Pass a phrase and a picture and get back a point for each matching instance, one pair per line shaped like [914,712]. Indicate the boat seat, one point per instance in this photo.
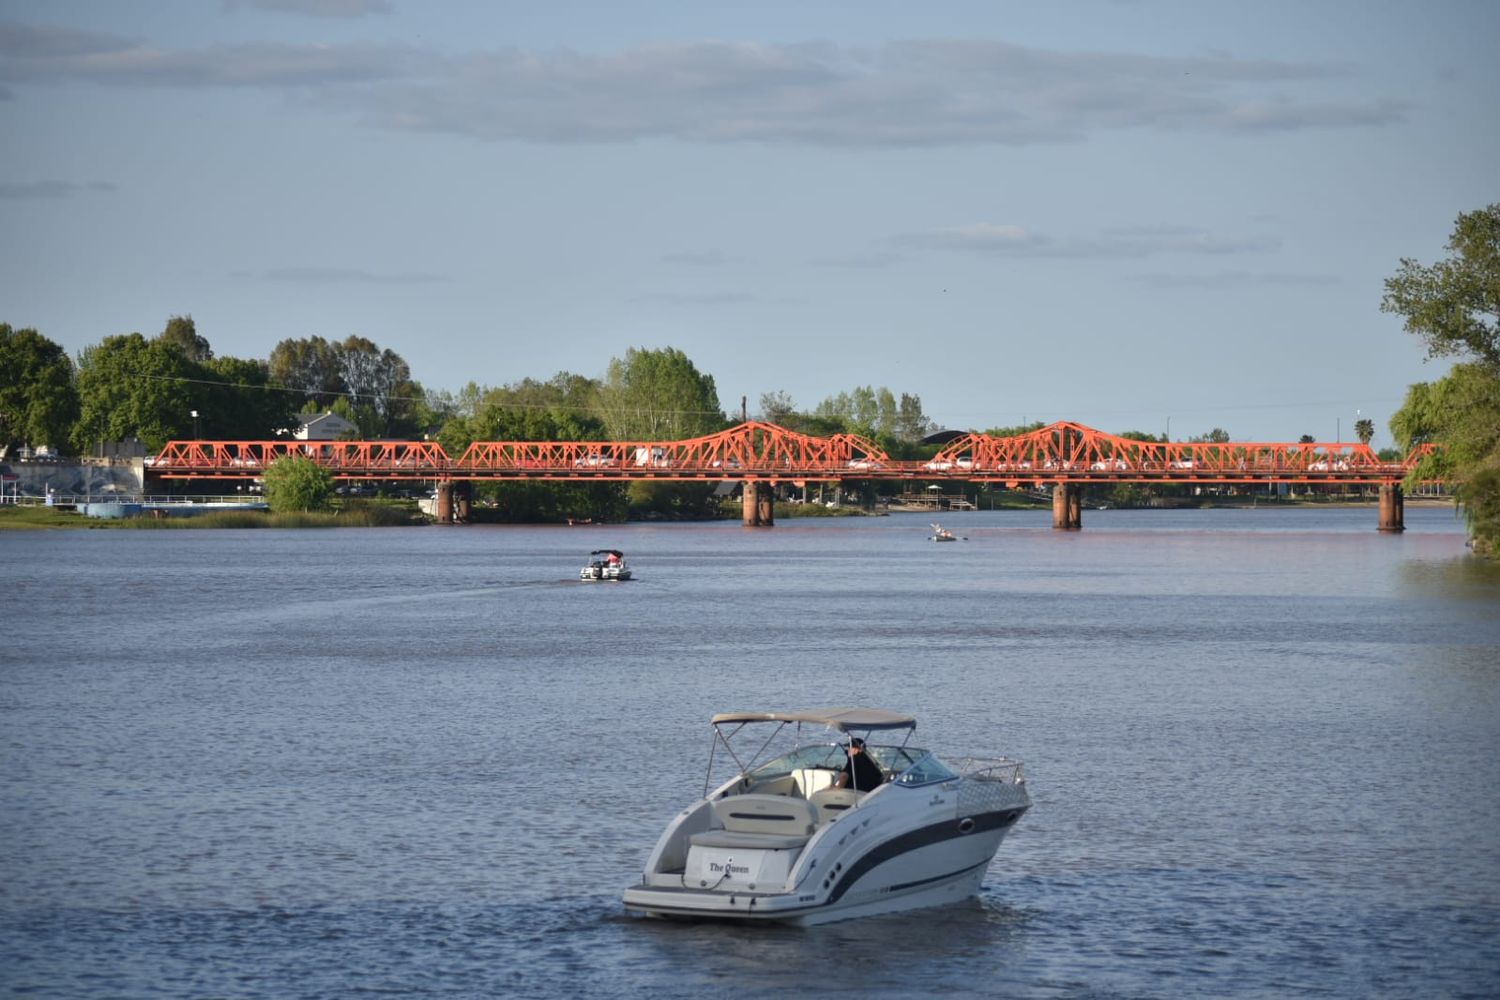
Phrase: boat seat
[812,779]
[742,839]
[832,803]
[782,815]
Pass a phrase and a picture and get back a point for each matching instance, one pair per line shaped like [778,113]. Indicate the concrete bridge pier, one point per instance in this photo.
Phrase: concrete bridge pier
[445,502]
[759,511]
[1392,507]
[1067,507]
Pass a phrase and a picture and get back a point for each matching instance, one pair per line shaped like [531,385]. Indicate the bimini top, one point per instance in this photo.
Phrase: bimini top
[608,552]
[842,719]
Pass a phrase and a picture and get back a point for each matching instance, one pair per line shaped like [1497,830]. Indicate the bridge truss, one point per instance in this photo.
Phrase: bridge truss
[1063,452]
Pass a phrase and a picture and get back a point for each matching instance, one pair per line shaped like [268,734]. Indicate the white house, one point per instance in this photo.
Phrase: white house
[323,427]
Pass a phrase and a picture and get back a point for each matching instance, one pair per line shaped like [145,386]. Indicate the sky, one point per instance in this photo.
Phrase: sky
[1157,215]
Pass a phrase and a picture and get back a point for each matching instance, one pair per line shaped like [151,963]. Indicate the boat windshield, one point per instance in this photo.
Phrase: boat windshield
[926,770]
[816,755]
[906,765]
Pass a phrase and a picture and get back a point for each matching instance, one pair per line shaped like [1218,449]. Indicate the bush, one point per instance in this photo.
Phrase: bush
[297,484]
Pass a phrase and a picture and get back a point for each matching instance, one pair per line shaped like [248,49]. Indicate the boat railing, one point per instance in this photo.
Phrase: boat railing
[990,785]
[1001,769]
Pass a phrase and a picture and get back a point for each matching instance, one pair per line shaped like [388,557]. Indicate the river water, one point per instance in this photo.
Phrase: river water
[1263,748]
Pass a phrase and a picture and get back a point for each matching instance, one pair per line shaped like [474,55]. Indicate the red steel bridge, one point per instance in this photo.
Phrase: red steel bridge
[1065,456]
[1059,453]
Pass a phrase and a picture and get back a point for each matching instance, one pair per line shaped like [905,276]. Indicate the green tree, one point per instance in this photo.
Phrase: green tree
[911,423]
[182,333]
[1364,429]
[378,382]
[877,413]
[1216,436]
[236,401]
[38,394]
[1454,306]
[1016,431]
[658,396]
[131,387]
[295,484]
[776,407]
[310,366]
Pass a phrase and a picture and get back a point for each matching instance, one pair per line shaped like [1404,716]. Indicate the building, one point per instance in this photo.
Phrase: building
[327,426]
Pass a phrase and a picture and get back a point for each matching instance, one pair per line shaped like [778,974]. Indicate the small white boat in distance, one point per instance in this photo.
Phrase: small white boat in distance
[782,841]
[605,564]
[942,534]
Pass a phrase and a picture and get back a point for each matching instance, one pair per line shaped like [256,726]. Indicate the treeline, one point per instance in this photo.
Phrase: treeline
[173,386]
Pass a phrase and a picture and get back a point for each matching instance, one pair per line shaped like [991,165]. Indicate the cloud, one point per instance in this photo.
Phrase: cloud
[41,54]
[937,92]
[51,189]
[989,239]
[316,8]
[346,276]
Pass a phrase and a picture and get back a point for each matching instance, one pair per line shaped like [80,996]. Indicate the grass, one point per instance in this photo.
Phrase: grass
[358,515]
[29,517]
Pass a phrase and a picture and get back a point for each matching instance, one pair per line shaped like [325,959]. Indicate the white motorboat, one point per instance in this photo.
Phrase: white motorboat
[780,841]
[942,534]
[605,564]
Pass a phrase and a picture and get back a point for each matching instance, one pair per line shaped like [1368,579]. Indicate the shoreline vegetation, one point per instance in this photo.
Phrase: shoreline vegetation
[36,517]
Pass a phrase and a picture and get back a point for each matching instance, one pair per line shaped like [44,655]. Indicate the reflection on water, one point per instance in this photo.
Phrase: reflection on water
[1261,748]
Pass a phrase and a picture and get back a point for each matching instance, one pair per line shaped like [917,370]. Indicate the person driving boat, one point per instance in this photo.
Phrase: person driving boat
[860,773]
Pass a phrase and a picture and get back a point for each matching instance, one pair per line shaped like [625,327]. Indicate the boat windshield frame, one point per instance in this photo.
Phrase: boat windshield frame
[826,751]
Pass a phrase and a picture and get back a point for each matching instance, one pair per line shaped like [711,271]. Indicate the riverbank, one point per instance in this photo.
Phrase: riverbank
[28,517]
[362,514]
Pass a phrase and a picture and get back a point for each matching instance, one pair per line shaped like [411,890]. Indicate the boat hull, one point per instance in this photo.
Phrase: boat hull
[932,865]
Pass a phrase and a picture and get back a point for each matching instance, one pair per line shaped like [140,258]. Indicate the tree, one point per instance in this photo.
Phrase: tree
[38,394]
[236,401]
[296,484]
[1216,436]
[1016,431]
[1364,429]
[182,333]
[310,366]
[1454,305]
[131,387]
[1462,414]
[658,396]
[378,382]
[776,407]
[911,423]
[876,413]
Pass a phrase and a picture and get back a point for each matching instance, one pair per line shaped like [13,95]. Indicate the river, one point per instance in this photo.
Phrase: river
[1261,745]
